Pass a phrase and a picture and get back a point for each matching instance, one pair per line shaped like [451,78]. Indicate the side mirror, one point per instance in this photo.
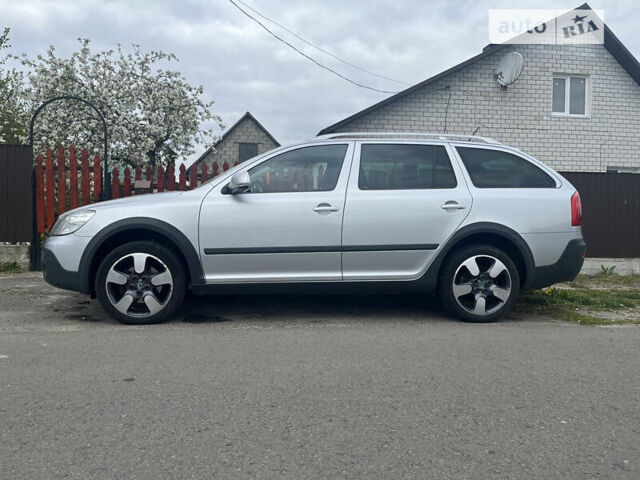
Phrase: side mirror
[240,182]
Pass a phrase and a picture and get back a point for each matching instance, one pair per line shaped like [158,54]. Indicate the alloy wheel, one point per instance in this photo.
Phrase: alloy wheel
[139,285]
[482,285]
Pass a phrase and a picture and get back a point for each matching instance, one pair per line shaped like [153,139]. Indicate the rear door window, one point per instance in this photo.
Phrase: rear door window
[404,167]
[497,169]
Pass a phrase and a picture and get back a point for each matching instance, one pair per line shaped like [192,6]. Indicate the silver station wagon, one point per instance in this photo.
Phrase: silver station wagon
[476,220]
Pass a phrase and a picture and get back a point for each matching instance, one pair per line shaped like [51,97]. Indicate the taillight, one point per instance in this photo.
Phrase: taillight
[576,210]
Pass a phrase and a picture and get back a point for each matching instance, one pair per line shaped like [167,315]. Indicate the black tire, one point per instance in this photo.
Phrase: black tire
[483,285]
[166,297]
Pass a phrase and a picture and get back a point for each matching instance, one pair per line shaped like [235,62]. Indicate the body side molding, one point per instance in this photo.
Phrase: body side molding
[318,249]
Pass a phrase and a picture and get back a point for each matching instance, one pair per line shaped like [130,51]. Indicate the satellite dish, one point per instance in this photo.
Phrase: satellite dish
[509,69]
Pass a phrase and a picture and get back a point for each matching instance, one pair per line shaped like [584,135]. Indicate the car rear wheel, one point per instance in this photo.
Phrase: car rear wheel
[141,283]
[479,283]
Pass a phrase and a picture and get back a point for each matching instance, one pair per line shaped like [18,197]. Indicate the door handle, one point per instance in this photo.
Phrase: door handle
[452,205]
[325,208]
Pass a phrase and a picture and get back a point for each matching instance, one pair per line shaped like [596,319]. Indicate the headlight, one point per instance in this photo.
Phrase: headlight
[71,222]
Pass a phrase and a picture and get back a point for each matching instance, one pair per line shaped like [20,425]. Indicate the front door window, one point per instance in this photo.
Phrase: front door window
[308,169]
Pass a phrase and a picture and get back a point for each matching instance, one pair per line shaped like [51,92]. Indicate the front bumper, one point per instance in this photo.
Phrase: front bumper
[565,269]
[62,262]
[55,274]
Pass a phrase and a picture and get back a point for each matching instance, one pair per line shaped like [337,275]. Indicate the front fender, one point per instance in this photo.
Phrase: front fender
[151,225]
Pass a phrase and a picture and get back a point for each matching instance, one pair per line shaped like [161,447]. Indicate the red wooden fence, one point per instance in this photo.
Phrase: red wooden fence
[61,186]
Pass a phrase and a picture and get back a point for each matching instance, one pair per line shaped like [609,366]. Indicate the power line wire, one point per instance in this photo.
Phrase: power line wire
[305,55]
[320,48]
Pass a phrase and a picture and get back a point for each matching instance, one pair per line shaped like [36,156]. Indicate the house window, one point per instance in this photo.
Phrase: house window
[247,151]
[570,95]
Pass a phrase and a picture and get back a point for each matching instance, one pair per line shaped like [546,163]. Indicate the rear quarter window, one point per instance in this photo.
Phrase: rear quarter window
[498,169]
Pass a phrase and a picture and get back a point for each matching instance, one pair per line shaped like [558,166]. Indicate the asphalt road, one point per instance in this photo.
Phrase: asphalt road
[310,387]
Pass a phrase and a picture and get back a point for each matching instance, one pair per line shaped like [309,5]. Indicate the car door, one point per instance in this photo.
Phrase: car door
[287,227]
[404,199]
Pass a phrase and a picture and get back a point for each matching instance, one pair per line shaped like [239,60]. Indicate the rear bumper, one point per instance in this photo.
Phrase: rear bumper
[54,274]
[564,270]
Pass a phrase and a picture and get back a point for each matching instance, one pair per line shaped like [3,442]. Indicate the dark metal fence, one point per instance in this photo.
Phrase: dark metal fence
[16,193]
[611,212]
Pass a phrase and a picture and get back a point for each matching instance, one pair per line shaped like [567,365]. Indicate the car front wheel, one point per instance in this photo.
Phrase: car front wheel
[141,283]
[479,283]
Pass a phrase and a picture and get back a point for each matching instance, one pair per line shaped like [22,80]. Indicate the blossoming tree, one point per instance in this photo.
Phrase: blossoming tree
[13,109]
[153,114]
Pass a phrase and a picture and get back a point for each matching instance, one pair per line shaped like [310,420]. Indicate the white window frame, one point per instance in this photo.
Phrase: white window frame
[567,98]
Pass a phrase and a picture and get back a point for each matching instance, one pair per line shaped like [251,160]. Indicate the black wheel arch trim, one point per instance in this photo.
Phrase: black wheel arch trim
[194,266]
[430,277]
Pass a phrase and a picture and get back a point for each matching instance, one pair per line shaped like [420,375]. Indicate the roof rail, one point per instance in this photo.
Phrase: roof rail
[432,136]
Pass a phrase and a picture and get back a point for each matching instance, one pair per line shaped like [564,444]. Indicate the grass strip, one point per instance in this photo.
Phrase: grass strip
[565,304]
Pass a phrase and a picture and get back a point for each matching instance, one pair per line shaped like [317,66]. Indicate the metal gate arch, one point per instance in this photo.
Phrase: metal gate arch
[106,188]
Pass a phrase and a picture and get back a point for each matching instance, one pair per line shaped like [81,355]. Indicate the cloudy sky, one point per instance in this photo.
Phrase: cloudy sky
[243,68]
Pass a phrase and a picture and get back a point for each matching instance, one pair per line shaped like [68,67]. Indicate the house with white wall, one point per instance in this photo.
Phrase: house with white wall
[574,107]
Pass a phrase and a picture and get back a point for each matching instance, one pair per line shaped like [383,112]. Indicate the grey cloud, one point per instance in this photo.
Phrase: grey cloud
[242,68]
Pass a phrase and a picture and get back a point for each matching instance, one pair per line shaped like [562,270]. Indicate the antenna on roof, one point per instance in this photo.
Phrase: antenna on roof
[509,69]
